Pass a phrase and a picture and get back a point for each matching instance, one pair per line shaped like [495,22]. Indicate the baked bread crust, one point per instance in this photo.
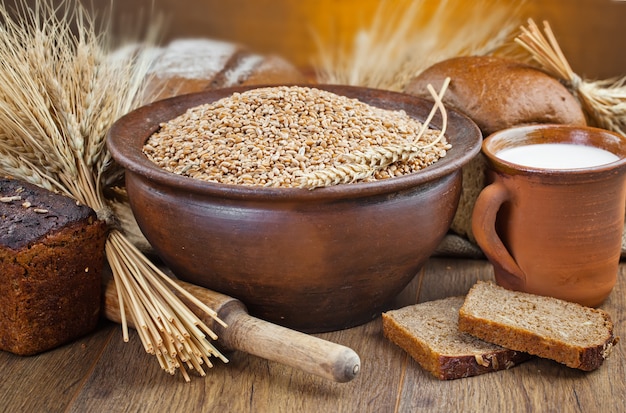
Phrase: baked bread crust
[498,92]
[428,333]
[195,65]
[51,261]
[538,325]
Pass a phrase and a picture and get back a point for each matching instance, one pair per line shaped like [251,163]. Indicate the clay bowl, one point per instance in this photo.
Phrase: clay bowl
[313,260]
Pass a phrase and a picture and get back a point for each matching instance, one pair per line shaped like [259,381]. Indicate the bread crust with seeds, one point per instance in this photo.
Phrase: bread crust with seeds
[51,261]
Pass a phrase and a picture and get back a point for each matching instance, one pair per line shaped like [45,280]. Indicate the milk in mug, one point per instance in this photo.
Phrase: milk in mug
[557,156]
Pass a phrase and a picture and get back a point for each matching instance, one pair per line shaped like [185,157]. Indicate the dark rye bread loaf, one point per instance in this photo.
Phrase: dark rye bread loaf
[195,65]
[428,332]
[579,337]
[51,261]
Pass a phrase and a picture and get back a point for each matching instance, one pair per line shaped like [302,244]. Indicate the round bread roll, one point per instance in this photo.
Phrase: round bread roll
[195,65]
[497,93]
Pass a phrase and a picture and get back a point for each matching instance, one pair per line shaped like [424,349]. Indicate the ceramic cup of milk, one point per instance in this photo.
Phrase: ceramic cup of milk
[551,218]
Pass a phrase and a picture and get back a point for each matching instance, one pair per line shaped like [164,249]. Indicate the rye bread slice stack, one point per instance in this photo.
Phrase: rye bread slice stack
[493,328]
[428,332]
[577,336]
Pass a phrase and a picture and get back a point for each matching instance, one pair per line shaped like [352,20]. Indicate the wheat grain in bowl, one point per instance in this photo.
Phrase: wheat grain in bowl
[293,136]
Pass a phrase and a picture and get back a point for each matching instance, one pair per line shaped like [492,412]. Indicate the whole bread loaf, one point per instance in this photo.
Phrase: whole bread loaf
[498,92]
[579,337]
[51,261]
[194,65]
[428,332]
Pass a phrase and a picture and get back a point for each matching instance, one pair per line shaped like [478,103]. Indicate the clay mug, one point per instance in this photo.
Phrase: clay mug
[553,229]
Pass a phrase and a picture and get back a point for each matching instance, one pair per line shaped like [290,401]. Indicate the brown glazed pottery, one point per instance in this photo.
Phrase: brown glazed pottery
[313,260]
[548,231]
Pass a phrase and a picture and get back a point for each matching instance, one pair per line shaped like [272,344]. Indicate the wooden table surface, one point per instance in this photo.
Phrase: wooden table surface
[101,373]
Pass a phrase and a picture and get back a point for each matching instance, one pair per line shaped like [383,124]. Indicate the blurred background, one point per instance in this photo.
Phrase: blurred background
[591,33]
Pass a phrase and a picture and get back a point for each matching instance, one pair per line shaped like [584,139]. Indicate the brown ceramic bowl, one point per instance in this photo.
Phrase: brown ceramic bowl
[313,260]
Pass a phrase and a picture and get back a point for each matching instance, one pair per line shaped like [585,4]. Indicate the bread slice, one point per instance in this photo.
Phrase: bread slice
[577,336]
[428,332]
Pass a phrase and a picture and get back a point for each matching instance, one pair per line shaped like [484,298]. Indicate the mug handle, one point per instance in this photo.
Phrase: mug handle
[487,205]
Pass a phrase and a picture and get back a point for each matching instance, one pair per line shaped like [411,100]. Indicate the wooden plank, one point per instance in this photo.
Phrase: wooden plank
[126,375]
[48,382]
[587,30]
[247,383]
[102,373]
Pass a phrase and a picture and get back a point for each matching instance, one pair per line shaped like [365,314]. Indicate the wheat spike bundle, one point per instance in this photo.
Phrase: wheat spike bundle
[363,164]
[603,101]
[63,86]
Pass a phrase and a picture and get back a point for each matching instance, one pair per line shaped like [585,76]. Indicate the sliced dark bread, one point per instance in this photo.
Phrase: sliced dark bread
[428,332]
[579,337]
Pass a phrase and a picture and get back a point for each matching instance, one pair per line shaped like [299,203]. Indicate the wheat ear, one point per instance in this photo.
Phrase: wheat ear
[363,164]
[603,101]
[63,87]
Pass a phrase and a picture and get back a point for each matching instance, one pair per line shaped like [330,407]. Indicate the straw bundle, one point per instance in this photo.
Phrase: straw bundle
[603,101]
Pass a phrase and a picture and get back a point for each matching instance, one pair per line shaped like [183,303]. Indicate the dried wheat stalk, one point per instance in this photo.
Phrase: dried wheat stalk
[62,89]
[405,37]
[604,101]
[363,165]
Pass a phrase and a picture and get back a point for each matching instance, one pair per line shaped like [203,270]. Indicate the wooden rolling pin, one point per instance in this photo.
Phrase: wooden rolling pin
[260,338]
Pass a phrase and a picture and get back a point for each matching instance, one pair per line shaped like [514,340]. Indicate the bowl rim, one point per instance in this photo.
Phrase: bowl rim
[128,134]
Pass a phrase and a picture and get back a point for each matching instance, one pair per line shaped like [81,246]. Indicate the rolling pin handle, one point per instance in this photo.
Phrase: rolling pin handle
[286,346]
